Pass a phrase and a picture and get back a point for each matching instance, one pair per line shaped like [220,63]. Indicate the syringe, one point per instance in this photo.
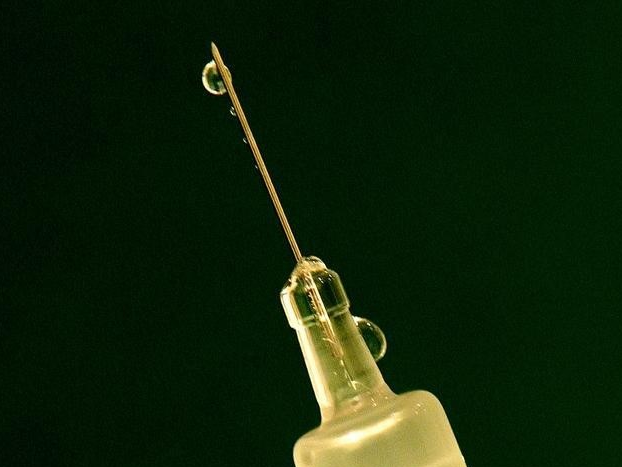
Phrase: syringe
[364,424]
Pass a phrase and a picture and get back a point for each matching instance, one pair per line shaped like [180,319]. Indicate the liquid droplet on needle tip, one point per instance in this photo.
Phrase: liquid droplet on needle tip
[212,81]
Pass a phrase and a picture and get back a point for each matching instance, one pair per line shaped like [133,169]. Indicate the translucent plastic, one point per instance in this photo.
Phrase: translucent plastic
[410,430]
[364,424]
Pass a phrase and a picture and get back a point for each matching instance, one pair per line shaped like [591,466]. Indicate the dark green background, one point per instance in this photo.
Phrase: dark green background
[455,162]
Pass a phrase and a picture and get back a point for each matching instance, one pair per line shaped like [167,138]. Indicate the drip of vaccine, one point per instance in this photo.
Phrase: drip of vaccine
[364,424]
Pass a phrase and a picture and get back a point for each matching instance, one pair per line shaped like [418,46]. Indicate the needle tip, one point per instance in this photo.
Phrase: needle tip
[214,49]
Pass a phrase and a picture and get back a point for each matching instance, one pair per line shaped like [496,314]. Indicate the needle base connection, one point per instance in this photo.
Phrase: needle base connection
[364,424]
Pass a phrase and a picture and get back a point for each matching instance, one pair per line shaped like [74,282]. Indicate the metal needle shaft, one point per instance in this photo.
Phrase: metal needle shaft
[226,78]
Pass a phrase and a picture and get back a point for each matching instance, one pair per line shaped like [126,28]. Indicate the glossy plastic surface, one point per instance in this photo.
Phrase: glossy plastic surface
[364,424]
[410,430]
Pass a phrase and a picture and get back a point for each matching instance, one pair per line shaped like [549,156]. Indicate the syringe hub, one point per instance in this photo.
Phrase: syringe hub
[313,293]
